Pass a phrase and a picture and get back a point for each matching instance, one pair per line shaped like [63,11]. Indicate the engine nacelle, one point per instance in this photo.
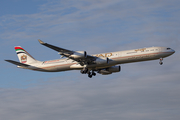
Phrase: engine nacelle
[102,60]
[79,55]
[110,70]
[104,72]
[114,69]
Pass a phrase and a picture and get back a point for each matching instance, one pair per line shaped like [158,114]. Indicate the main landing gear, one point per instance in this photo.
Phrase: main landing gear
[86,71]
[160,62]
[90,74]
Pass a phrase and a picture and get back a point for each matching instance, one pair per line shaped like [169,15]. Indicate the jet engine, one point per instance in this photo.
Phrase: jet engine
[110,70]
[114,69]
[79,55]
[101,60]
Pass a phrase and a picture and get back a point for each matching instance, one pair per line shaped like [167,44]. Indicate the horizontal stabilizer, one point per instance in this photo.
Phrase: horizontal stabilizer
[17,63]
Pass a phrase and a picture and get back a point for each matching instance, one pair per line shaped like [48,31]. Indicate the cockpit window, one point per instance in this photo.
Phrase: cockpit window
[168,48]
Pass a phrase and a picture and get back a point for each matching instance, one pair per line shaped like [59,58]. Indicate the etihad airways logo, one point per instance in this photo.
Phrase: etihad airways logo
[23,59]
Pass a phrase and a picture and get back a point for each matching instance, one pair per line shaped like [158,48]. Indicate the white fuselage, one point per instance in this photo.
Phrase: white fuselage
[120,57]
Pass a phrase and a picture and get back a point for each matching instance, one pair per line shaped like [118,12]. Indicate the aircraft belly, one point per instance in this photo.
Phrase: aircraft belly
[63,68]
[55,67]
[102,65]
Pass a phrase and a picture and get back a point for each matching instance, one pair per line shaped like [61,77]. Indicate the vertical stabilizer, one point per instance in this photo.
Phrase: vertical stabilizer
[24,57]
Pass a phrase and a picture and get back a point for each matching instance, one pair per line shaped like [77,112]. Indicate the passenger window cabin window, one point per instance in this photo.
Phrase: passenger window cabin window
[168,48]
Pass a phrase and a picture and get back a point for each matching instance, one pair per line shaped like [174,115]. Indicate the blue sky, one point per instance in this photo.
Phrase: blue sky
[19,7]
[143,90]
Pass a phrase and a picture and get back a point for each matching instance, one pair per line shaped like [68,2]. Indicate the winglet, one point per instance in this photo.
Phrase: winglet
[40,41]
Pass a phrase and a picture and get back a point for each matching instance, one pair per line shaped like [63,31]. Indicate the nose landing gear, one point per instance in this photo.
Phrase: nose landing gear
[160,62]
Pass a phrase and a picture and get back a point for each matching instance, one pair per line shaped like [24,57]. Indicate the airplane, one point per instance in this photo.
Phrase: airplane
[103,63]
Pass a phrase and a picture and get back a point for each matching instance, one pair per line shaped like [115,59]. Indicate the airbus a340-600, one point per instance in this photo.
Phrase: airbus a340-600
[104,63]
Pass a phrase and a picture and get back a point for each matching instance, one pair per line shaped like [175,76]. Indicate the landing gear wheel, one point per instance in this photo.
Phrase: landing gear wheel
[86,70]
[90,75]
[160,63]
[82,71]
[94,74]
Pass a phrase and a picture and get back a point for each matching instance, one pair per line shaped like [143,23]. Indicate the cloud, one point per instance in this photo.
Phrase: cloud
[145,97]
[101,24]
[88,17]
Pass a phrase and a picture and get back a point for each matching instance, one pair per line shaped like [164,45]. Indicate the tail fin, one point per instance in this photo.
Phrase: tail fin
[24,57]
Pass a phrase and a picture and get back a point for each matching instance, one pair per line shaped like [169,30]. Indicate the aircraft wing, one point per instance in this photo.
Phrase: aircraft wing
[17,63]
[58,49]
[79,56]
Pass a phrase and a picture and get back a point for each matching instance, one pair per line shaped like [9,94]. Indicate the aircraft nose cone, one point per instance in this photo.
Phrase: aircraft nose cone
[173,51]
